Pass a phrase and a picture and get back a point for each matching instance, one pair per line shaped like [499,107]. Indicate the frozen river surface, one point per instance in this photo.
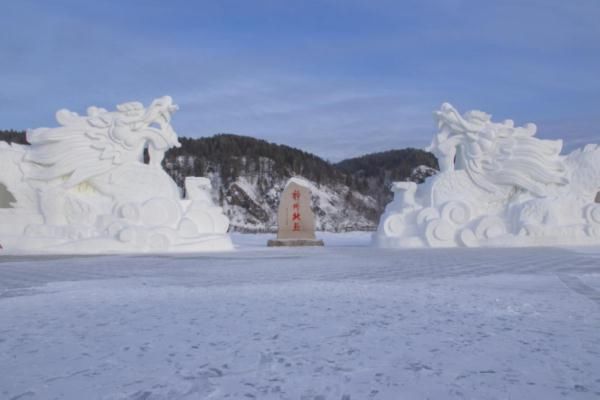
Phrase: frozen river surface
[344,322]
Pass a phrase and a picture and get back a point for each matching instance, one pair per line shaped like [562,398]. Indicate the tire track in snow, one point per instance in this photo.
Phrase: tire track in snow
[576,285]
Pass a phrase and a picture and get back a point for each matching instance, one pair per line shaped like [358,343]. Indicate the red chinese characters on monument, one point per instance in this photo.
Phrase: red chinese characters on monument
[296,211]
[295,218]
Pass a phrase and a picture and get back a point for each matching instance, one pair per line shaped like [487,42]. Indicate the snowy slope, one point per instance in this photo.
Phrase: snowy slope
[251,204]
[341,322]
[253,209]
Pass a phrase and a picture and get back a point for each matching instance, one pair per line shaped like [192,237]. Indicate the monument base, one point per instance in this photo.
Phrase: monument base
[294,242]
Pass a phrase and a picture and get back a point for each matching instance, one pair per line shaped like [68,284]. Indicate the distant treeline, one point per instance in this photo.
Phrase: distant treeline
[241,155]
[12,136]
[391,165]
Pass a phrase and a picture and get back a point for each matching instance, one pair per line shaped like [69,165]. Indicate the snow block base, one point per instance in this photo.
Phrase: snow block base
[294,242]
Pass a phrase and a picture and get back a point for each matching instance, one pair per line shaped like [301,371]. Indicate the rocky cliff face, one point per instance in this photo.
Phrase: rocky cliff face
[251,199]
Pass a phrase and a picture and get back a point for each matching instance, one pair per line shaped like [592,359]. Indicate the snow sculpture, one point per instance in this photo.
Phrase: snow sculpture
[498,185]
[83,187]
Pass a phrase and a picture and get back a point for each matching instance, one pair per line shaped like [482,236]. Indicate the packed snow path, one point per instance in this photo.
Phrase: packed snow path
[341,322]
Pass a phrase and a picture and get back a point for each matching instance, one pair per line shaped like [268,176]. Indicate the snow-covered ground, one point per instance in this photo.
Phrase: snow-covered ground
[341,322]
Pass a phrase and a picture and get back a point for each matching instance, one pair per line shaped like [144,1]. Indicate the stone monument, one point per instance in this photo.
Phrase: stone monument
[295,219]
[498,185]
[83,187]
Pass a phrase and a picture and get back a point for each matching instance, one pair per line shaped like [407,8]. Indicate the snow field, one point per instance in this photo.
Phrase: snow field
[341,322]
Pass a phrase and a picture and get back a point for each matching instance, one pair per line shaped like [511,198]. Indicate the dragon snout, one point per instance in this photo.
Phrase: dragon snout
[172,139]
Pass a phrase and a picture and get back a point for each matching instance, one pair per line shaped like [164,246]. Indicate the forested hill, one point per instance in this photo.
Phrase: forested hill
[392,164]
[239,155]
[373,173]
[248,175]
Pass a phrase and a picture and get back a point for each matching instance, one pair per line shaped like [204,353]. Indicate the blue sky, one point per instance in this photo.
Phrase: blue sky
[338,78]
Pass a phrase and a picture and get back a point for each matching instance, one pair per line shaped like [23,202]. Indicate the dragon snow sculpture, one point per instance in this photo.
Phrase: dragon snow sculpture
[83,187]
[498,185]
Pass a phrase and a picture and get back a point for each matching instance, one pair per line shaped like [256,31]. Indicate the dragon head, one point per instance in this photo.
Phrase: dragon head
[158,127]
[152,126]
[89,145]
[496,154]
[456,131]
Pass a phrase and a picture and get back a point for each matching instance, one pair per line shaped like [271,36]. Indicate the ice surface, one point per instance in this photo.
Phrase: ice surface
[346,321]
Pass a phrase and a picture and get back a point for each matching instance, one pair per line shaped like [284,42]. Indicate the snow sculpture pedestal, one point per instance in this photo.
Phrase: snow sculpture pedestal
[295,219]
[498,185]
[83,187]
